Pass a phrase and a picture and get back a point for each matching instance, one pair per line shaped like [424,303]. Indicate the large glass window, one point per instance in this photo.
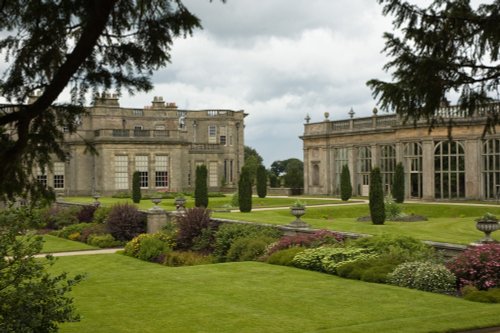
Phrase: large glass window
[59,175]
[413,169]
[340,159]
[491,168]
[213,179]
[449,170]
[364,169]
[387,166]
[212,134]
[161,171]
[41,177]
[141,165]
[121,172]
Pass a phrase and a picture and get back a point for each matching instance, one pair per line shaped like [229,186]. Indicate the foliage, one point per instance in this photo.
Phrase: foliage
[316,239]
[487,217]
[86,45]
[273,180]
[485,296]
[201,189]
[150,247]
[125,222]
[186,258]
[136,187]
[86,213]
[377,210]
[398,247]
[345,183]
[248,248]
[398,185]
[444,49]
[191,226]
[103,241]
[54,217]
[230,232]
[424,276]
[71,229]
[285,256]
[31,299]
[235,200]
[261,181]
[294,173]
[101,214]
[245,191]
[392,209]
[92,229]
[374,269]
[252,160]
[121,195]
[478,266]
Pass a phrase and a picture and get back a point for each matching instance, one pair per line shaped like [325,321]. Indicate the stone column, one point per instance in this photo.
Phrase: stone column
[428,170]
[351,157]
[473,169]
[157,218]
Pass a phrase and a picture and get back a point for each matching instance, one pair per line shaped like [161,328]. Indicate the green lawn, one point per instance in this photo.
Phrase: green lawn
[122,294]
[447,223]
[54,244]
[213,203]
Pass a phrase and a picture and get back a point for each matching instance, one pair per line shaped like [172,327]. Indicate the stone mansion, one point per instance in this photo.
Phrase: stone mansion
[466,167]
[162,142]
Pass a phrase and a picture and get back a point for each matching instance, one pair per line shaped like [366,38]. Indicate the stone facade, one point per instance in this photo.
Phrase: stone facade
[466,167]
[162,142]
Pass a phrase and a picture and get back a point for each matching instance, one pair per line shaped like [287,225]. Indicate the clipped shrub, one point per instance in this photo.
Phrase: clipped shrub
[136,187]
[248,248]
[86,213]
[424,276]
[345,183]
[201,188]
[121,195]
[397,248]
[328,259]
[152,248]
[316,239]
[72,229]
[125,222]
[134,248]
[398,185]
[377,209]
[261,178]
[103,241]
[57,218]
[230,232]
[392,209]
[186,258]
[190,226]
[478,266]
[484,296]
[284,257]
[101,214]
[74,236]
[245,191]
[375,269]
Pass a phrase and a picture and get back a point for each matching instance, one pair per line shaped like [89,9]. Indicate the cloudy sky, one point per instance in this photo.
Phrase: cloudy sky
[278,60]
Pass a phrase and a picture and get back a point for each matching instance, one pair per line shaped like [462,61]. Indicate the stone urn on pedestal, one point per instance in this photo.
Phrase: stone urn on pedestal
[487,224]
[179,203]
[298,209]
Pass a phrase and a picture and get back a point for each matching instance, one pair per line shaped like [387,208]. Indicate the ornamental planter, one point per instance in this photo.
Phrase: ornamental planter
[298,212]
[179,204]
[487,226]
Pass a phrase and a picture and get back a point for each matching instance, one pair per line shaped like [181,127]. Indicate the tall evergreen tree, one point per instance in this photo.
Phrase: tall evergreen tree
[398,185]
[245,191]
[261,181]
[377,208]
[345,183]
[440,50]
[136,187]
[201,188]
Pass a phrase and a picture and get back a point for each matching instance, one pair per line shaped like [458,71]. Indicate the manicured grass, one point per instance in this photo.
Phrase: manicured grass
[122,294]
[54,244]
[447,223]
[213,203]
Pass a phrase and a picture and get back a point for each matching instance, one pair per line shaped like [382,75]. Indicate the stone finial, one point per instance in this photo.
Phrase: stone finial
[375,111]
[351,113]
[327,114]
[307,118]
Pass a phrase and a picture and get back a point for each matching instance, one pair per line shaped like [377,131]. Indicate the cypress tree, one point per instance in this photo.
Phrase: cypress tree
[201,188]
[136,187]
[261,181]
[377,208]
[345,184]
[245,191]
[398,185]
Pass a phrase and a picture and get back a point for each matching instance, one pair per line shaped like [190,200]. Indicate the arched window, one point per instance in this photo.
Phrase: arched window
[364,169]
[315,174]
[387,165]
[413,169]
[491,168]
[449,170]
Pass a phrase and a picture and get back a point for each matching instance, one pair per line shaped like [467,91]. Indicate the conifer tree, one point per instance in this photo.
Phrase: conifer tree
[377,207]
[136,187]
[261,181]
[245,191]
[398,185]
[345,184]
[201,188]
